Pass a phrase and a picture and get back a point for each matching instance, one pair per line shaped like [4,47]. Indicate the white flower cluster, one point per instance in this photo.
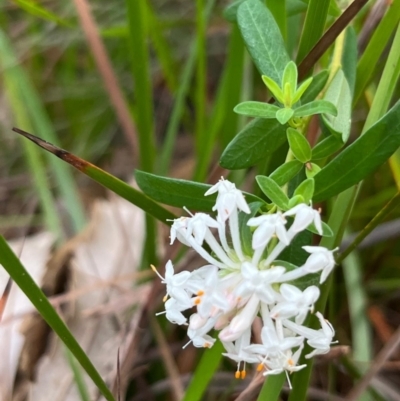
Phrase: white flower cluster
[234,288]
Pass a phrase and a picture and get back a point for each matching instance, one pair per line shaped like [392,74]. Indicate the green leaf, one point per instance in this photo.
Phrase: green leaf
[262,38]
[257,141]
[339,94]
[286,172]
[315,107]
[299,145]
[287,265]
[306,190]
[326,230]
[318,83]
[302,88]
[246,235]
[256,109]
[180,193]
[349,58]
[274,88]
[273,191]
[284,115]
[205,371]
[361,158]
[312,169]
[290,77]
[24,281]
[326,147]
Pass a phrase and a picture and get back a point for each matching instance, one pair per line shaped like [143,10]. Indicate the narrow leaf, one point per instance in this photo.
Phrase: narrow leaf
[274,88]
[262,38]
[256,109]
[299,145]
[302,88]
[339,94]
[114,184]
[245,231]
[180,193]
[290,77]
[361,158]
[273,191]
[326,230]
[257,141]
[25,282]
[326,147]
[315,107]
[286,172]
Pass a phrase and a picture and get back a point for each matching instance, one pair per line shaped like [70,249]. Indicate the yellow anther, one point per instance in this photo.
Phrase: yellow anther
[291,362]
[165,298]
[237,375]
[260,367]
[197,301]
[242,374]
[200,293]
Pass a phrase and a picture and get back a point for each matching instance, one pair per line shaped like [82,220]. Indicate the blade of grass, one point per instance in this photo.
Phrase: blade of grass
[204,372]
[272,388]
[79,380]
[361,338]
[228,95]
[139,55]
[200,91]
[40,122]
[317,12]
[329,37]
[376,46]
[177,111]
[278,10]
[37,10]
[25,282]
[34,161]
[107,180]
[162,48]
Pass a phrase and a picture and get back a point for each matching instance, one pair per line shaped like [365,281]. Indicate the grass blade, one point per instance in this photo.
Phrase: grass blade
[41,122]
[25,282]
[376,46]
[136,14]
[313,28]
[204,372]
[107,180]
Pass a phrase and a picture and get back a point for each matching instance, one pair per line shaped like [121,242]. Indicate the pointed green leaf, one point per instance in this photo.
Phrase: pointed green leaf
[256,109]
[257,141]
[286,172]
[274,88]
[284,115]
[290,77]
[273,191]
[306,190]
[361,158]
[326,147]
[262,38]
[299,145]
[300,91]
[315,107]
[339,94]
[180,193]
[312,169]
[316,86]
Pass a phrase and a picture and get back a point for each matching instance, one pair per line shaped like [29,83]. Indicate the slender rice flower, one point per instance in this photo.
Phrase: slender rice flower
[242,281]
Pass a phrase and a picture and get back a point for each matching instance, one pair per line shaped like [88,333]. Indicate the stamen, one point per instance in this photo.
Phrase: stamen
[197,301]
[200,293]
[260,367]
[156,271]
[243,374]
[237,374]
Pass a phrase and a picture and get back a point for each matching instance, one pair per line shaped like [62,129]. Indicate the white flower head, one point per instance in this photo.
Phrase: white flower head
[304,216]
[228,200]
[321,259]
